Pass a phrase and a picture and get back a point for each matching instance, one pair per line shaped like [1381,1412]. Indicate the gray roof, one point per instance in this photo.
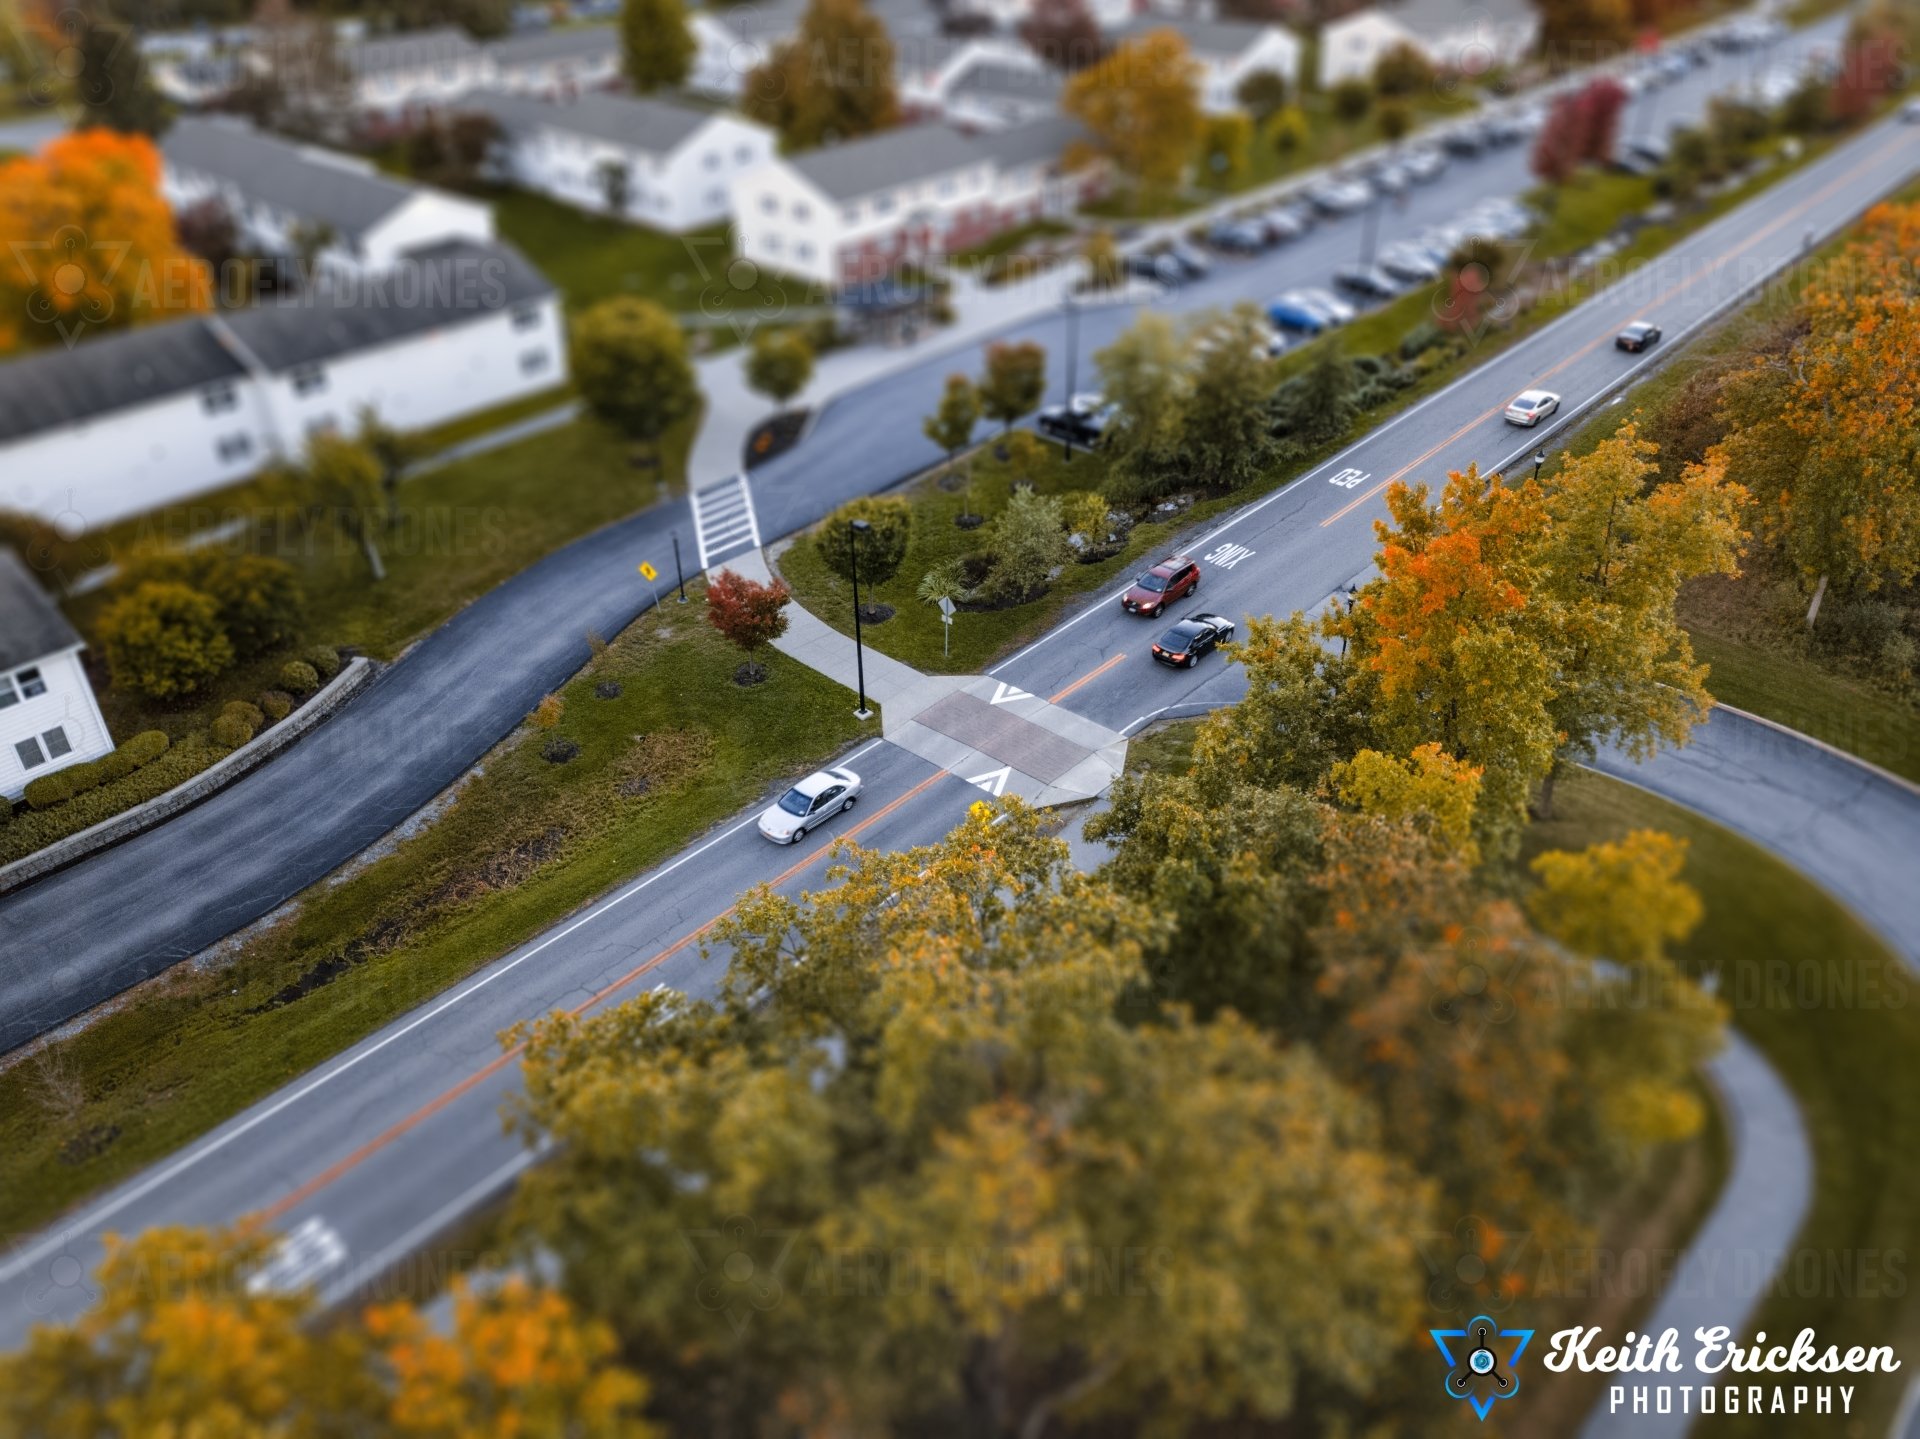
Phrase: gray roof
[1004,80]
[775,20]
[31,625]
[413,50]
[104,373]
[285,176]
[1041,141]
[1221,38]
[1434,18]
[878,162]
[446,283]
[437,285]
[653,127]
[568,42]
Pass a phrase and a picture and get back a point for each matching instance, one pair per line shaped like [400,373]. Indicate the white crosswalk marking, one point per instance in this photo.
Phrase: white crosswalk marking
[724,521]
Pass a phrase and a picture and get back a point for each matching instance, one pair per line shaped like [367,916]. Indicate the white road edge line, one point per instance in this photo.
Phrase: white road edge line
[63,1235]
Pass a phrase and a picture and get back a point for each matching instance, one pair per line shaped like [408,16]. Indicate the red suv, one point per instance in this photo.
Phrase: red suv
[1171,579]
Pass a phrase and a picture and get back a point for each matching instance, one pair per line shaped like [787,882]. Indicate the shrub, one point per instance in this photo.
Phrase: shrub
[1030,538]
[164,640]
[88,775]
[117,765]
[146,747]
[276,704]
[558,750]
[325,660]
[608,690]
[1402,71]
[249,713]
[882,548]
[548,712]
[260,602]
[49,790]
[171,766]
[1352,98]
[230,730]
[298,677]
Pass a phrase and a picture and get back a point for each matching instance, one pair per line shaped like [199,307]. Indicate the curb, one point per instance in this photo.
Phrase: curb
[1886,775]
[214,778]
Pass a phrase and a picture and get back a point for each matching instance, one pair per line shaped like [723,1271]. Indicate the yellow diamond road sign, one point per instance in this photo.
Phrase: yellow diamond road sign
[649,571]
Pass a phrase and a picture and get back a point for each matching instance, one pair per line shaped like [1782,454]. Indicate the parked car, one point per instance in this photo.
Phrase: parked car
[1910,112]
[1082,420]
[1466,141]
[810,804]
[1371,281]
[1243,237]
[1158,266]
[1174,578]
[1423,163]
[1638,336]
[1531,408]
[1409,262]
[1339,197]
[1282,223]
[1197,265]
[1193,637]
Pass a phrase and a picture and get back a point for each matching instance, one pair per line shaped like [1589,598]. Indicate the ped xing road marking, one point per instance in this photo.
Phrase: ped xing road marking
[1089,676]
[400,1128]
[994,782]
[1350,479]
[1547,333]
[60,1237]
[1227,556]
[1004,693]
[1679,287]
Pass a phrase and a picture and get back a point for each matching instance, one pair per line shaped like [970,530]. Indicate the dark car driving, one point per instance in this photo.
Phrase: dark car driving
[1172,579]
[1183,645]
[1638,336]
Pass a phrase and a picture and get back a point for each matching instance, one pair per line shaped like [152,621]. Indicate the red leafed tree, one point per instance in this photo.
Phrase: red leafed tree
[749,614]
[1063,33]
[1561,142]
[1869,68]
[1602,101]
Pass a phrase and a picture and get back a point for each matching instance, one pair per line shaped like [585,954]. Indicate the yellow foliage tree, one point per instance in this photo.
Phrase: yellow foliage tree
[1142,102]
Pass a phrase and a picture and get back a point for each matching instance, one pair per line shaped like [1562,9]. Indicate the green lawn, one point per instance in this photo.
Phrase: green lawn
[526,843]
[1835,1013]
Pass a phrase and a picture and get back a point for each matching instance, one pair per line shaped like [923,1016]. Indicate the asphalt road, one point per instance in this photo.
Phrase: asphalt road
[83,935]
[373,1154]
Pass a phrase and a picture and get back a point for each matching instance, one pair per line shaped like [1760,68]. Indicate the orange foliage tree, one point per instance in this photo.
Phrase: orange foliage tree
[90,243]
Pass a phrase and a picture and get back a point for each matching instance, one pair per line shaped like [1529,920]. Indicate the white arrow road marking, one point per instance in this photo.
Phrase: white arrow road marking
[994,782]
[1004,693]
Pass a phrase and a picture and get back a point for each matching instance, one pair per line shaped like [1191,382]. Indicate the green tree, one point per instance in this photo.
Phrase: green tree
[258,597]
[1145,373]
[657,44]
[927,1062]
[1226,144]
[1430,790]
[1285,131]
[393,450]
[1014,381]
[1394,120]
[880,549]
[951,425]
[833,81]
[164,641]
[779,364]
[616,186]
[1263,94]
[630,364]
[1351,99]
[1319,402]
[1305,709]
[338,483]
[1225,432]
[1029,542]
[1402,72]
[113,86]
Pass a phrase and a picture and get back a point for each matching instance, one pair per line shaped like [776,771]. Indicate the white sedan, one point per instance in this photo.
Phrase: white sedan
[1532,407]
[809,804]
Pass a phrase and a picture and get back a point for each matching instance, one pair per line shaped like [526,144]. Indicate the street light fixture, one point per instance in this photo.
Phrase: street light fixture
[1073,357]
[1539,460]
[855,530]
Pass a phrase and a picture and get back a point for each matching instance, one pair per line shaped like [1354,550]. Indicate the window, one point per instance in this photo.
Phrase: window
[533,362]
[30,755]
[711,159]
[9,696]
[58,746]
[218,399]
[525,317]
[309,380]
[742,154]
[30,683]
[883,205]
[804,251]
[802,211]
[946,187]
[769,205]
[233,447]
[773,244]
[851,214]
[716,197]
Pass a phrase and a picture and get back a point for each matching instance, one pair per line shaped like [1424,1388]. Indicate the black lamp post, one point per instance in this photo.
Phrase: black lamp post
[1073,356]
[856,529]
[1352,594]
[1539,460]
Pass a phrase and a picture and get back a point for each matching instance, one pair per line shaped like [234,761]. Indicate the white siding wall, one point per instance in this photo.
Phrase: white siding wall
[430,216]
[125,463]
[559,77]
[140,459]
[1350,48]
[1276,50]
[393,91]
[68,705]
[782,222]
[682,191]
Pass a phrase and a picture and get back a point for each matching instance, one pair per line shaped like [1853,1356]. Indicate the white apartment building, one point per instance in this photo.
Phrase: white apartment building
[850,213]
[49,718]
[1471,39]
[285,197]
[121,424]
[1226,51]
[558,64]
[668,165]
[396,78]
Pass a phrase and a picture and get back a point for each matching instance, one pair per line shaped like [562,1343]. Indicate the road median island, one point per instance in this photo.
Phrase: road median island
[649,746]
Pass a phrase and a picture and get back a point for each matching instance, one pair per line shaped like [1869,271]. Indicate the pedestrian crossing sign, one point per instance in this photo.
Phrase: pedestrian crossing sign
[648,571]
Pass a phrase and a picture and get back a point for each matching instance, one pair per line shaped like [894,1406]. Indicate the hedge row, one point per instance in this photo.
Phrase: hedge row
[64,785]
[33,830]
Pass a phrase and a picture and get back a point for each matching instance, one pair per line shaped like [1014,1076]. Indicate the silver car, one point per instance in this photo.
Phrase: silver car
[810,804]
